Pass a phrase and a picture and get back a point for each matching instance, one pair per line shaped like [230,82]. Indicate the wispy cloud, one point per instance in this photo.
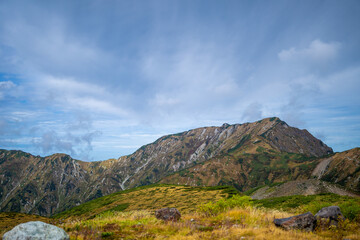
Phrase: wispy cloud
[5,87]
[317,52]
[75,138]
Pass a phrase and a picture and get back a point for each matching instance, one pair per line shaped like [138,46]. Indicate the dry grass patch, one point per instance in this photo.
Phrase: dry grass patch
[239,223]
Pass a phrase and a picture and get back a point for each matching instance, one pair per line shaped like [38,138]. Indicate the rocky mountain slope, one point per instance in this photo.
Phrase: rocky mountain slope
[172,153]
[243,155]
[341,168]
[43,186]
[299,187]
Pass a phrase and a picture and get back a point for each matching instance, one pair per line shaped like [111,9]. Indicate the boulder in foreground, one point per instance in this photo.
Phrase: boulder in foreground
[305,221]
[168,214]
[36,230]
[329,216]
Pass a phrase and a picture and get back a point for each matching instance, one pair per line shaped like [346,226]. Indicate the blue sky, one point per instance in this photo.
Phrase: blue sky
[98,79]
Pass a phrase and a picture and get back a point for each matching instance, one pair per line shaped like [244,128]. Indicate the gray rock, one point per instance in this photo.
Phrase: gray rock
[305,221]
[168,214]
[36,231]
[328,216]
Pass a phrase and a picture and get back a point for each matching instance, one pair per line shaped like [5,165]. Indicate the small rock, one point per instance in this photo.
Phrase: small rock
[305,221]
[329,216]
[168,214]
[36,230]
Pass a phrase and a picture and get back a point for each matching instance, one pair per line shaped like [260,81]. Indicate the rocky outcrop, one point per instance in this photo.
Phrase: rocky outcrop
[168,214]
[300,187]
[342,168]
[329,216]
[36,230]
[305,221]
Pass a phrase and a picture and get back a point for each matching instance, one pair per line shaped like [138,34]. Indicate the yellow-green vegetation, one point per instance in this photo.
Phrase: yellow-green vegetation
[227,218]
[8,220]
[207,213]
[234,218]
[151,197]
[349,206]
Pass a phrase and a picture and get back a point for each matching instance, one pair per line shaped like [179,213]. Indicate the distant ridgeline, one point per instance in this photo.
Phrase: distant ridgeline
[241,155]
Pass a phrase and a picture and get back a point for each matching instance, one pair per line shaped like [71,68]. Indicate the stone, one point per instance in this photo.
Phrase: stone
[305,221]
[329,216]
[36,230]
[168,214]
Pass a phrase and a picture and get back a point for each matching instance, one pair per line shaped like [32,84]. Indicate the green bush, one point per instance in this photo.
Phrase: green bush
[351,210]
[106,234]
[212,209]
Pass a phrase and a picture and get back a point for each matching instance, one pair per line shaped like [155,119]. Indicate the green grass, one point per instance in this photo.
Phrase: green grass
[151,197]
[237,217]
[130,215]
[349,206]
[8,220]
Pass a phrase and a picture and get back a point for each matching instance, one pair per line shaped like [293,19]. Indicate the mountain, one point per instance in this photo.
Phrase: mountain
[341,168]
[243,155]
[33,184]
[172,153]
[299,187]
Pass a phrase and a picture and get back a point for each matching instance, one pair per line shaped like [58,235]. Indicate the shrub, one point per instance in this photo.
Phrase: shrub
[212,209]
[106,234]
[350,210]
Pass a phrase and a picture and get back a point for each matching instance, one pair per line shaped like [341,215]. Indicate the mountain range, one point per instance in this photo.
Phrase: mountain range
[245,156]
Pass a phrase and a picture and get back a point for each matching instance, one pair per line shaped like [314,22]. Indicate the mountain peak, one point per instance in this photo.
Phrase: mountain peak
[237,154]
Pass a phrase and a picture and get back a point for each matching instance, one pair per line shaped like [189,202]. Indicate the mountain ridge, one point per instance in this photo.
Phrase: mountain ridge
[61,182]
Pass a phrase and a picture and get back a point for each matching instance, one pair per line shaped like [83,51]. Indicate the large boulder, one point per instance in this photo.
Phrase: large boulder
[305,221]
[168,214]
[35,231]
[329,216]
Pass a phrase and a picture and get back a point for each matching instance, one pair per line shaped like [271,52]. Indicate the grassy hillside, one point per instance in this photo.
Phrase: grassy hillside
[234,218]
[207,213]
[150,197]
[350,206]
[8,220]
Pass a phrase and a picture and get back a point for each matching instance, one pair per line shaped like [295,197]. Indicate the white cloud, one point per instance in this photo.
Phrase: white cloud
[5,86]
[70,85]
[318,52]
[95,105]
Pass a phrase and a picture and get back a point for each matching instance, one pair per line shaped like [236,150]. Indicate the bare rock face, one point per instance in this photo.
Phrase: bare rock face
[36,230]
[329,216]
[305,221]
[168,214]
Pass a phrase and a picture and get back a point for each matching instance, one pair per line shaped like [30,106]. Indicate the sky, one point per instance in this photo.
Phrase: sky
[98,79]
